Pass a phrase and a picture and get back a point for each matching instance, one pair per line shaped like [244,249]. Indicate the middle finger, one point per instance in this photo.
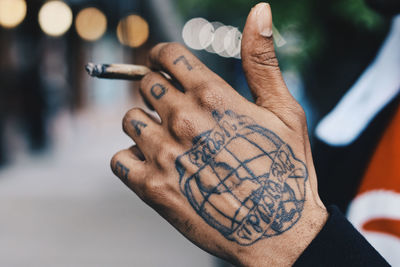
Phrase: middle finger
[161,94]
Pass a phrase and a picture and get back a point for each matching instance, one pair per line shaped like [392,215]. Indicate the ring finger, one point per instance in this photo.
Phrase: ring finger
[143,129]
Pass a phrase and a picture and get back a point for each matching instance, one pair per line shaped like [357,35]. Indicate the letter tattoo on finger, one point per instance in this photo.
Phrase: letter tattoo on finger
[121,171]
[243,180]
[185,62]
[138,126]
[158,90]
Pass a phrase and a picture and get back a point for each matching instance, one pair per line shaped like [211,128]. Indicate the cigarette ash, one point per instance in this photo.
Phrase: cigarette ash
[95,70]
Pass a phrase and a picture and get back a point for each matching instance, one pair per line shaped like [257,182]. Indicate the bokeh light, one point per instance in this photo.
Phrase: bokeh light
[90,24]
[219,43]
[233,42]
[12,12]
[216,25]
[133,31]
[198,33]
[55,18]
[214,37]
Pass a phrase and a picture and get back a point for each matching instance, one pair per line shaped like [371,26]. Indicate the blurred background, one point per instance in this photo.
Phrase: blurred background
[60,205]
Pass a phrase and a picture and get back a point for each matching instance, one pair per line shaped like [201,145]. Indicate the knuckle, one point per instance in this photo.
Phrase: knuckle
[265,58]
[153,188]
[179,116]
[298,118]
[114,159]
[211,95]
[299,111]
[169,49]
[158,46]
[181,123]
[148,80]
[159,193]
[166,155]
[131,114]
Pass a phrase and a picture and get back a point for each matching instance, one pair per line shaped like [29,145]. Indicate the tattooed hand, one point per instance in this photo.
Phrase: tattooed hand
[234,177]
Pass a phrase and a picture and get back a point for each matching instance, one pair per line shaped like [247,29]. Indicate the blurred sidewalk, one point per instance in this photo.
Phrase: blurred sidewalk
[66,208]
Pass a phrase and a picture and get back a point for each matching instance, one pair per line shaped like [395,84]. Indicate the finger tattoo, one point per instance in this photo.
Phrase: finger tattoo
[138,126]
[185,61]
[121,170]
[158,90]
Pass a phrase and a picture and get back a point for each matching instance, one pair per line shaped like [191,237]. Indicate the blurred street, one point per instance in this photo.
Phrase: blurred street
[66,208]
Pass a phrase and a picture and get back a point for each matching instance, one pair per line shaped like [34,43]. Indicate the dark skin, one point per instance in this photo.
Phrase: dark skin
[236,178]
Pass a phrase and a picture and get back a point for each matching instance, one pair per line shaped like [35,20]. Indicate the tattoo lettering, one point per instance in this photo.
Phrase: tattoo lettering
[185,61]
[121,170]
[158,90]
[243,180]
[138,125]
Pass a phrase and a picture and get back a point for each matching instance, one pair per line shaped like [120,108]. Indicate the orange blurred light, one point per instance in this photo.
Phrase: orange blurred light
[55,18]
[90,24]
[133,31]
[12,12]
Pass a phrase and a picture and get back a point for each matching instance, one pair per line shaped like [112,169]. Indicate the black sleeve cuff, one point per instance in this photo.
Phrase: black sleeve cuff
[339,244]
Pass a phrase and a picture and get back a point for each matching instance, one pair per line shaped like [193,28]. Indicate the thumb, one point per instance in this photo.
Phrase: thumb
[259,61]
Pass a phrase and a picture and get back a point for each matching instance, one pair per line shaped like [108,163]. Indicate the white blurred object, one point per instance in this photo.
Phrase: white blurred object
[206,35]
[218,38]
[216,25]
[218,43]
[197,33]
[232,42]
[279,40]
[376,205]
[376,87]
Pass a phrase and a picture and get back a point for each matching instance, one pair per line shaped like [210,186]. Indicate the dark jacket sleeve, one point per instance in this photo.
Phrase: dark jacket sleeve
[339,244]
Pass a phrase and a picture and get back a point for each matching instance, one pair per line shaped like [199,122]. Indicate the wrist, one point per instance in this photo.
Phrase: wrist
[283,250]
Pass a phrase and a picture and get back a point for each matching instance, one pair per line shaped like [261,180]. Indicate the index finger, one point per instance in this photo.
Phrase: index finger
[188,70]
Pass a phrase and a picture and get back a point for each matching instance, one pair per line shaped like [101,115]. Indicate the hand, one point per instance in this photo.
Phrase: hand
[236,178]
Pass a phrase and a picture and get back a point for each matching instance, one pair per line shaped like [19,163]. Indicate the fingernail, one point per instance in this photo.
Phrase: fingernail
[264,19]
